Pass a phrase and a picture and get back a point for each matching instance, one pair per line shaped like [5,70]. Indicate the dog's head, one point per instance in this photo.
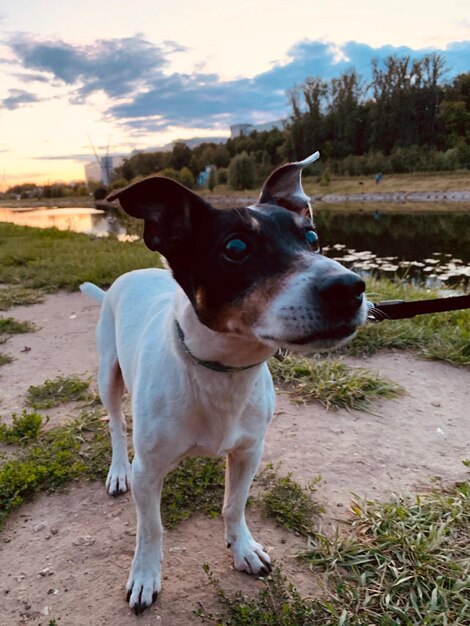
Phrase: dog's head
[255,271]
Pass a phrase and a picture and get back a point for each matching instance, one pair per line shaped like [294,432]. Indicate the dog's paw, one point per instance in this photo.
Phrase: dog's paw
[250,557]
[119,479]
[143,588]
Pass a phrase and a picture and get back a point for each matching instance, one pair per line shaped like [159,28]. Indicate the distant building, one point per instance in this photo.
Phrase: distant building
[101,172]
[237,130]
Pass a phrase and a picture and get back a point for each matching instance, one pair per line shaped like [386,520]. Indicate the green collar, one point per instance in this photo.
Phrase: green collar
[211,365]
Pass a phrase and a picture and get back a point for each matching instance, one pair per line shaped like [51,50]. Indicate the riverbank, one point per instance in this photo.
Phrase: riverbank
[437,192]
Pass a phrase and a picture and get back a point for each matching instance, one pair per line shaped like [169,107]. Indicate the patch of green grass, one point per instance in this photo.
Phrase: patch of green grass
[196,485]
[439,336]
[11,326]
[16,295]
[403,562]
[333,383]
[277,604]
[5,358]
[50,259]
[82,450]
[291,505]
[57,391]
[24,428]
[59,456]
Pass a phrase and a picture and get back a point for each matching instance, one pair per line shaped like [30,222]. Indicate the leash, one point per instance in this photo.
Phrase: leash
[399,309]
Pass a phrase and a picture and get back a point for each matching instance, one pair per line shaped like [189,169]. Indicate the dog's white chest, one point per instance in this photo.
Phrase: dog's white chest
[220,416]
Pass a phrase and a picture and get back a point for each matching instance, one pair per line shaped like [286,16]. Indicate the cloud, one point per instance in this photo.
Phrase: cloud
[29,77]
[18,98]
[143,95]
[114,66]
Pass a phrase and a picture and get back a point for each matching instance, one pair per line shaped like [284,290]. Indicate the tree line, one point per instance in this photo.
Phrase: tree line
[407,118]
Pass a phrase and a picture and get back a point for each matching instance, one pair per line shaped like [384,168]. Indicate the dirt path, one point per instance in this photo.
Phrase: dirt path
[65,556]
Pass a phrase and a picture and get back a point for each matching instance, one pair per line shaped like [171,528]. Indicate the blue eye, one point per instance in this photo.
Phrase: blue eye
[312,239]
[236,249]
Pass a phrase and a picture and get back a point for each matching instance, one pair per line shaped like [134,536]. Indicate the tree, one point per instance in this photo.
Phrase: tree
[186,177]
[180,155]
[212,182]
[242,172]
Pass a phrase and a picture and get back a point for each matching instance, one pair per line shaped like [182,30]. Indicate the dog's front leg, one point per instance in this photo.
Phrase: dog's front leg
[144,581]
[248,555]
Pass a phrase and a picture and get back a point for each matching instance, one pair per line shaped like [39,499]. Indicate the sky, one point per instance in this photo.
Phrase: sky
[137,75]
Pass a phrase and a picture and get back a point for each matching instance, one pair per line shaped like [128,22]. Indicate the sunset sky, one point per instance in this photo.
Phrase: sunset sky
[140,74]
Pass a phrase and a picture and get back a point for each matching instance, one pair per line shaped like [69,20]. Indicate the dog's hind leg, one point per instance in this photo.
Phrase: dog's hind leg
[111,389]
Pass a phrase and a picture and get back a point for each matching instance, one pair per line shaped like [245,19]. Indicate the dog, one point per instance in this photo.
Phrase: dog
[191,345]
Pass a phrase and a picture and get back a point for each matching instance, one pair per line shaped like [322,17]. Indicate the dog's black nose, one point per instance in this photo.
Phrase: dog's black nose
[342,292]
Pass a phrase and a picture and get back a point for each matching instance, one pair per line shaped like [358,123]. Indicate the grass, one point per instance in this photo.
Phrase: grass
[401,563]
[417,181]
[16,295]
[57,391]
[331,382]
[49,259]
[11,326]
[196,485]
[57,457]
[65,202]
[5,359]
[24,428]
[290,504]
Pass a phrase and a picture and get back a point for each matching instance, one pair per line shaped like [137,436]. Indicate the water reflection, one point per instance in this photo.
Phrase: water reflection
[77,219]
[424,248]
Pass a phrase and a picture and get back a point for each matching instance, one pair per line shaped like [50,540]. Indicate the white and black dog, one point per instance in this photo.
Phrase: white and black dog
[191,344]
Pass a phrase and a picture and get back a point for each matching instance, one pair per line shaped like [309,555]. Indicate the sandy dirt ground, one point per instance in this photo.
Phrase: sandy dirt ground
[65,556]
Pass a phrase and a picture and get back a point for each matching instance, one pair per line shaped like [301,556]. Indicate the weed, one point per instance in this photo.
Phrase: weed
[277,604]
[404,562]
[57,391]
[332,383]
[5,358]
[24,428]
[16,295]
[291,505]
[49,464]
[10,326]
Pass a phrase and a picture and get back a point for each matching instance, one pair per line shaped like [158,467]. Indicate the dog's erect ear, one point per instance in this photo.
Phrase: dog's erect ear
[167,207]
[284,187]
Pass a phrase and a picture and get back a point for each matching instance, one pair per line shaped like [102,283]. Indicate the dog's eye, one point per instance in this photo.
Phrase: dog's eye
[236,250]
[312,239]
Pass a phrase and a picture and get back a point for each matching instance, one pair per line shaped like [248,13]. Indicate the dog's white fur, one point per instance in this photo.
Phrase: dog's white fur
[179,409]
